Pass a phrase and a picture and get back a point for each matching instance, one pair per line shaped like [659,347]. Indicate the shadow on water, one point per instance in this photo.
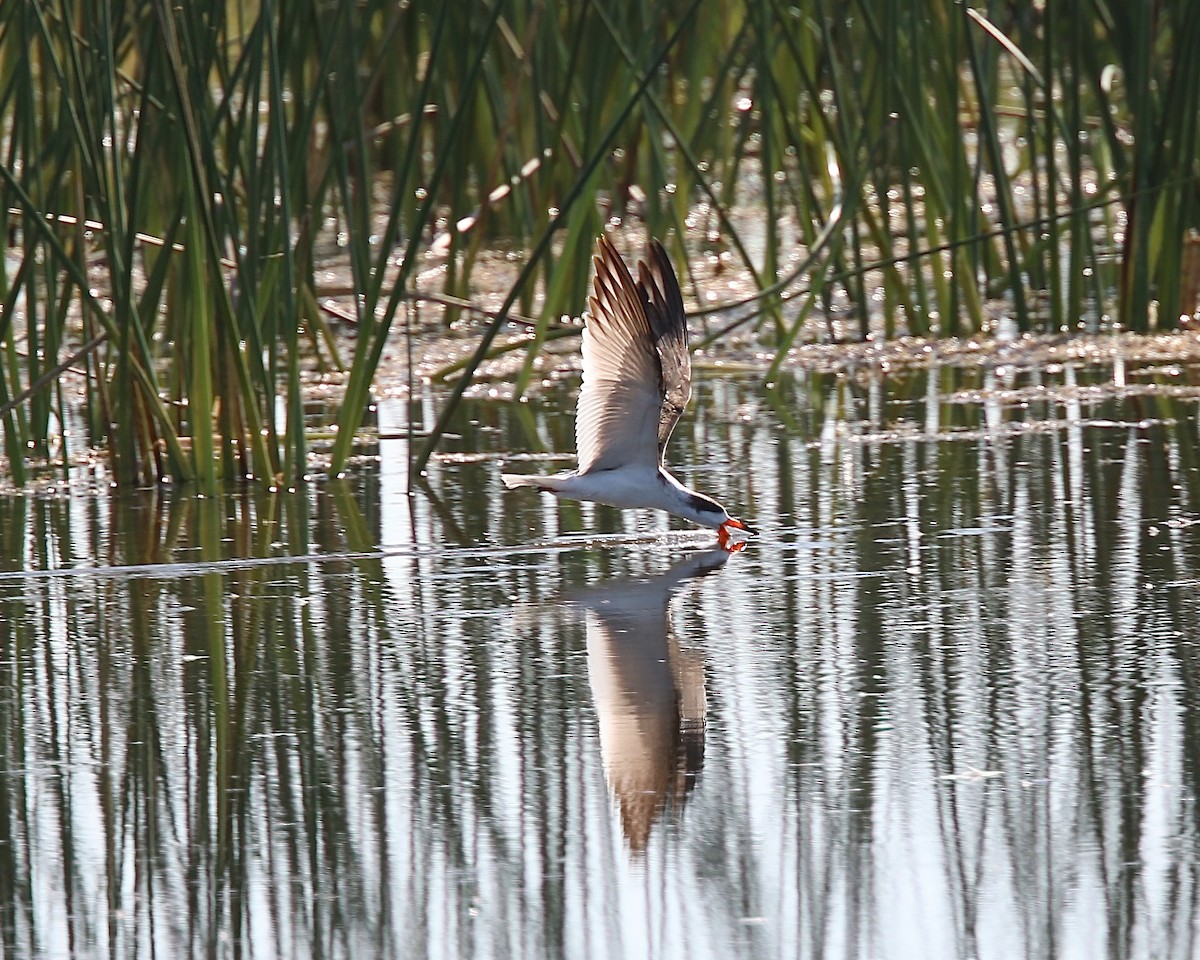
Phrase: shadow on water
[945,706]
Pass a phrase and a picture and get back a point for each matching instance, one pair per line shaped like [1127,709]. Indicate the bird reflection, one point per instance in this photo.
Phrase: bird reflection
[648,691]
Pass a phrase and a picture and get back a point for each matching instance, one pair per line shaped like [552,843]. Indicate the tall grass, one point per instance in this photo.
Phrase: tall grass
[171,173]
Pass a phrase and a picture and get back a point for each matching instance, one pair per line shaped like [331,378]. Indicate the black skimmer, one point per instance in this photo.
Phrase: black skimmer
[637,379]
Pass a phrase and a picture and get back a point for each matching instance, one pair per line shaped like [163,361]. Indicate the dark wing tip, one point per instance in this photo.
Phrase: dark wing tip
[659,289]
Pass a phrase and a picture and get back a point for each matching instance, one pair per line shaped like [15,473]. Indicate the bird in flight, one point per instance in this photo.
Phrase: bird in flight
[637,378]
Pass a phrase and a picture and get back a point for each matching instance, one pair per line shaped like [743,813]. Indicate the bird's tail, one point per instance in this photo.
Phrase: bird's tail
[551,483]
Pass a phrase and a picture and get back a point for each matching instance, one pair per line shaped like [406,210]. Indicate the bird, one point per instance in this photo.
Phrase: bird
[648,691]
[637,380]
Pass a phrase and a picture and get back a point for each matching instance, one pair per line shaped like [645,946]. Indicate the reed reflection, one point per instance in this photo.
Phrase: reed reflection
[954,713]
[648,688]
[166,748]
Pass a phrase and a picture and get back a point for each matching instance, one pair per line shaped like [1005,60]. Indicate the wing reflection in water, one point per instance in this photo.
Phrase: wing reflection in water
[648,689]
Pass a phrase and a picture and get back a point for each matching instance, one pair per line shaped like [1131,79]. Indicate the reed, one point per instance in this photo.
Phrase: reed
[171,172]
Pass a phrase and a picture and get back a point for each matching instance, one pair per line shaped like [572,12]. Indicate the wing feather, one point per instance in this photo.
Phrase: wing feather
[659,289]
[616,422]
[636,362]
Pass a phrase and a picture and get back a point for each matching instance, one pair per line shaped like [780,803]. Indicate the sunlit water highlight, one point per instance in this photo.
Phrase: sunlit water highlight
[945,706]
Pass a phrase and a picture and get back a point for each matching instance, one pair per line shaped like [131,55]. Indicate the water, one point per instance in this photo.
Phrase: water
[944,707]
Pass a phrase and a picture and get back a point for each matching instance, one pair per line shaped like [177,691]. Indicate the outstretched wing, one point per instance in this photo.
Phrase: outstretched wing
[663,303]
[637,369]
[618,416]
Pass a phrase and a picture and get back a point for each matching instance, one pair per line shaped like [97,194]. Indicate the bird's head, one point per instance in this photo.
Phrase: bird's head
[731,532]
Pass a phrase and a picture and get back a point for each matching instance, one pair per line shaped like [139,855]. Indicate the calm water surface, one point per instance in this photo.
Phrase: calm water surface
[946,705]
